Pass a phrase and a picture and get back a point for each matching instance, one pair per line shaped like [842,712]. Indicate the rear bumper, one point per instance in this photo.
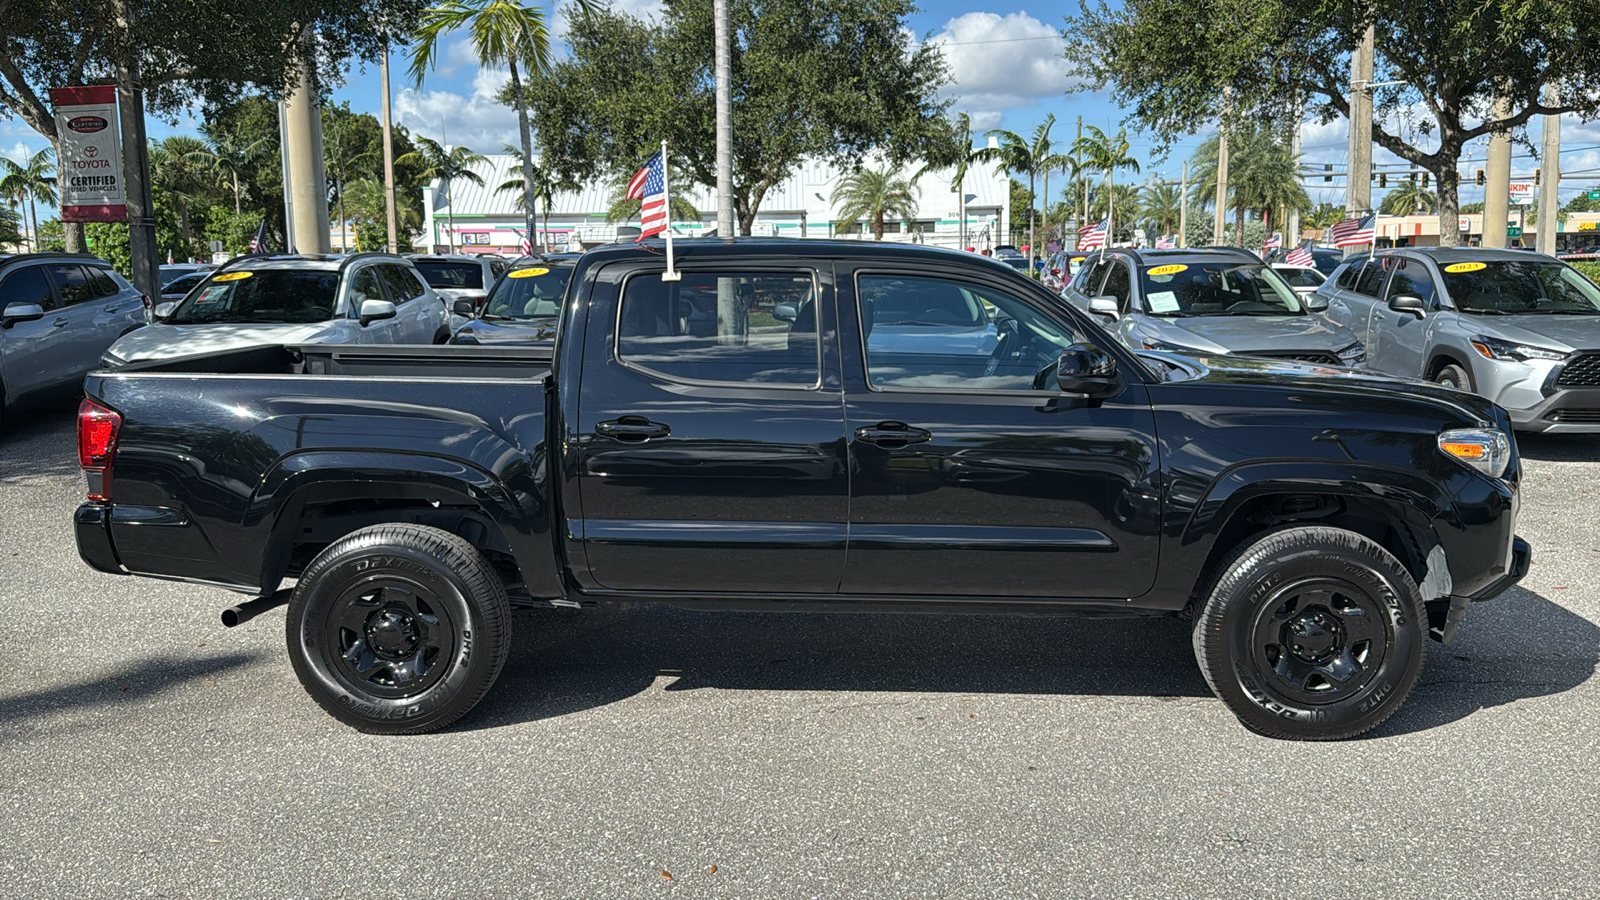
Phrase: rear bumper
[92,525]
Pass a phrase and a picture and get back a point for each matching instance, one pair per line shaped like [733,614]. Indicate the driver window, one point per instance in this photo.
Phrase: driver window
[364,287]
[941,334]
[1117,286]
[1411,277]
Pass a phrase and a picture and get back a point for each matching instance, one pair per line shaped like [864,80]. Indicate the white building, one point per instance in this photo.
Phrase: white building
[489,221]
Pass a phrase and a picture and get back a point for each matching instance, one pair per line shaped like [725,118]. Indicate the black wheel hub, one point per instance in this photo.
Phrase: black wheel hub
[391,638]
[1320,640]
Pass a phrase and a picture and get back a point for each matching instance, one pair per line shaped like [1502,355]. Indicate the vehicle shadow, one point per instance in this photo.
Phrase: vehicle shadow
[1515,647]
[1559,447]
[38,443]
[131,683]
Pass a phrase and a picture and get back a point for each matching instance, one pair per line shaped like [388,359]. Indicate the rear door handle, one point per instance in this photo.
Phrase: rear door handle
[892,435]
[112,308]
[633,429]
[61,321]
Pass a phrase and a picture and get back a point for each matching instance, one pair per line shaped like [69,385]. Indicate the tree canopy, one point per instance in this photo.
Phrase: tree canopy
[823,79]
[1169,61]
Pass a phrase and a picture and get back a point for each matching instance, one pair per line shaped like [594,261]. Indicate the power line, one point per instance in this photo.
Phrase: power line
[1043,37]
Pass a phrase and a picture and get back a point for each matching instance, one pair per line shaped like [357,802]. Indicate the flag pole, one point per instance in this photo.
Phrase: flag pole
[670,274]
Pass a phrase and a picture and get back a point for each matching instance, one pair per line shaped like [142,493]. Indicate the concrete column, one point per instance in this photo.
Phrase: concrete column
[308,182]
[392,212]
[1497,193]
[1358,190]
[1549,175]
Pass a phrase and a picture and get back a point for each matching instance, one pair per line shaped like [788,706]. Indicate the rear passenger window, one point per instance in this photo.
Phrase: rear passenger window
[404,284]
[27,286]
[101,283]
[1372,278]
[739,328]
[73,283]
[1348,276]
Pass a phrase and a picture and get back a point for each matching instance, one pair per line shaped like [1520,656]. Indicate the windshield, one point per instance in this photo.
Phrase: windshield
[1308,278]
[1217,289]
[451,274]
[263,295]
[532,293]
[1520,287]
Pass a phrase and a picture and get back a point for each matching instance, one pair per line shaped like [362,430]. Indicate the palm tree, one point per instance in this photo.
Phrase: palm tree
[180,166]
[32,182]
[1100,152]
[1408,198]
[965,156]
[504,32]
[546,186]
[1162,204]
[1033,156]
[229,153]
[433,161]
[339,161]
[1323,215]
[10,227]
[1263,174]
[621,209]
[368,205]
[874,195]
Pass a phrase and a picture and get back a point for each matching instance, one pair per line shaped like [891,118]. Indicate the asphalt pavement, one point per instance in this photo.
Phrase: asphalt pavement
[147,751]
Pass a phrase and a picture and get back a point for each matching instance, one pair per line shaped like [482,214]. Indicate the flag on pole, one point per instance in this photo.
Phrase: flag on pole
[525,246]
[258,244]
[1167,242]
[169,257]
[1354,232]
[1273,241]
[1092,237]
[649,186]
[1299,256]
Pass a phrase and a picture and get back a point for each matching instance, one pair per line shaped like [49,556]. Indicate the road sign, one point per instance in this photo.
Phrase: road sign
[1513,231]
[1522,193]
[1464,225]
[1594,195]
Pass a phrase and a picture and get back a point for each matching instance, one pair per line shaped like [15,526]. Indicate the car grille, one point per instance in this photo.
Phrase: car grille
[1584,371]
[1316,357]
[1579,416]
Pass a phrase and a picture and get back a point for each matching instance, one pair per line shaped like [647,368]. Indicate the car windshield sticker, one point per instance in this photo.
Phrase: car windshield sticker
[527,273]
[1166,270]
[1465,267]
[233,276]
[1162,301]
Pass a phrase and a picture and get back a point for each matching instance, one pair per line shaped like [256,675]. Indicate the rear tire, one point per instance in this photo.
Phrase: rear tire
[1312,633]
[398,629]
[1454,376]
[442,336]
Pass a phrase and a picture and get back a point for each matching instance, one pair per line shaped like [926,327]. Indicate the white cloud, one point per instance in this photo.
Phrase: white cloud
[1000,62]
[479,121]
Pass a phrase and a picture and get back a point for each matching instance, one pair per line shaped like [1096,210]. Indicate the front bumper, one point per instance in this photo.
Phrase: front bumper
[1528,392]
[1521,560]
[92,525]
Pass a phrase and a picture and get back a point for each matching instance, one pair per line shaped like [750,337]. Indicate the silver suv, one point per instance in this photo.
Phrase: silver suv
[58,313]
[368,298]
[1520,328]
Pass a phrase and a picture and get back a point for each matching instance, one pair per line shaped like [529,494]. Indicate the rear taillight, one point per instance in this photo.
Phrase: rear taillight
[148,303]
[97,442]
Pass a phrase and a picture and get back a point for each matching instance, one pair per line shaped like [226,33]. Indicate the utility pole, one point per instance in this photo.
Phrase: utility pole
[1497,193]
[1077,168]
[1222,186]
[135,162]
[392,212]
[1549,175]
[1183,207]
[1291,233]
[1358,187]
[307,178]
[719,9]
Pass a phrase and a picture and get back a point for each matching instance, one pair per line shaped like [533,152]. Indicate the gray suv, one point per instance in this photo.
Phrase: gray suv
[58,313]
[1520,328]
[1212,301]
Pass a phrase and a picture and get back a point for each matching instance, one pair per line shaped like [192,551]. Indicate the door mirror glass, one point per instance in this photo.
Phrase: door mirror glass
[22,312]
[374,310]
[1088,370]
[1104,305]
[1408,303]
[462,307]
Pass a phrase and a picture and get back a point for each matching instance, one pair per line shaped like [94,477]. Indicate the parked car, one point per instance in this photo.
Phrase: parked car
[168,273]
[366,298]
[58,313]
[1323,259]
[459,277]
[523,305]
[178,288]
[1304,280]
[1520,328]
[1316,530]
[1208,302]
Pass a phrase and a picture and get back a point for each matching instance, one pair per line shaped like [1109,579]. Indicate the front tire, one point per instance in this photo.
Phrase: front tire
[1454,376]
[398,629]
[1312,633]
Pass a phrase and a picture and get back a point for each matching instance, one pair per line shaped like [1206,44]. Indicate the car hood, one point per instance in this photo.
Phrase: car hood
[1250,334]
[160,341]
[1555,332]
[541,330]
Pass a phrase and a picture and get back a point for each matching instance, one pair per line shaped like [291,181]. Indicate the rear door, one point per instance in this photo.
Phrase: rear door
[972,475]
[38,355]
[709,438]
[1346,305]
[118,309]
[78,296]
[421,313]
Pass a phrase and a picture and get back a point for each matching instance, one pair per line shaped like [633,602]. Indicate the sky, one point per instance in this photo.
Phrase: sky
[1007,72]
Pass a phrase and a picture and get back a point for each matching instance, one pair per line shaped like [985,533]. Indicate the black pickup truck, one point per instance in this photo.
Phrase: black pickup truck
[808,426]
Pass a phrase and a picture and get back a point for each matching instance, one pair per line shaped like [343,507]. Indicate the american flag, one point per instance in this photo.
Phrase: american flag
[525,247]
[258,244]
[649,184]
[1273,241]
[1299,256]
[1354,232]
[1167,242]
[1092,237]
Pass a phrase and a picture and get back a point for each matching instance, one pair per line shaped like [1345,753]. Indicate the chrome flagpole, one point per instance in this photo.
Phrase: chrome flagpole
[670,274]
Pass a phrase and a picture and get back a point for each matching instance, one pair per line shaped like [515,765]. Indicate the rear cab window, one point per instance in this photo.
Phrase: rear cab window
[728,327]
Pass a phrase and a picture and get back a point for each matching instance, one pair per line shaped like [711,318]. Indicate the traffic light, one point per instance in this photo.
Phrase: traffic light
[1424,180]
[1535,177]
[1481,179]
[1383,180]
[1327,172]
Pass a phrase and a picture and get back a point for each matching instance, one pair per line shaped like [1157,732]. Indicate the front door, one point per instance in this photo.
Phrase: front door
[1398,342]
[709,438]
[365,284]
[972,473]
[37,355]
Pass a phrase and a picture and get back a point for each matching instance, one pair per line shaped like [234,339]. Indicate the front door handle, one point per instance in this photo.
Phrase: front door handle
[61,322]
[112,308]
[892,435]
[633,429]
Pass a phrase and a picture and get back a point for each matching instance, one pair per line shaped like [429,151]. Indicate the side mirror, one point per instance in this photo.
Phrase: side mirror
[1089,371]
[1314,301]
[373,310]
[1408,303]
[21,312]
[164,310]
[462,307]
[1104,305]
[785,312]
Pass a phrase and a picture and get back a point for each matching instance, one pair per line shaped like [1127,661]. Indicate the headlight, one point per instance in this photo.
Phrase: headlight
[1355,353]
[1164,347]
[1493,348]
[1484,449]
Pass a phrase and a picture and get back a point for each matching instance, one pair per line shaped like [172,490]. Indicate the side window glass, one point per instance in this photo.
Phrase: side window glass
[403,283]
[72,283]
[1412,277]
[938,334]
[1348,276]
[1117,285]
[1092,277]
[100,280]
[743,328]
[27,286]
[363,287]
[1371,282]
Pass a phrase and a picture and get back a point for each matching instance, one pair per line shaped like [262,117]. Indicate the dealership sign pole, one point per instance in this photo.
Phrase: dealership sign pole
[90,167]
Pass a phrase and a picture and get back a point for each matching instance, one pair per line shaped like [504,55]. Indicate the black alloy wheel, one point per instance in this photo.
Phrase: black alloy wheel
[1312,633]
[398,629]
